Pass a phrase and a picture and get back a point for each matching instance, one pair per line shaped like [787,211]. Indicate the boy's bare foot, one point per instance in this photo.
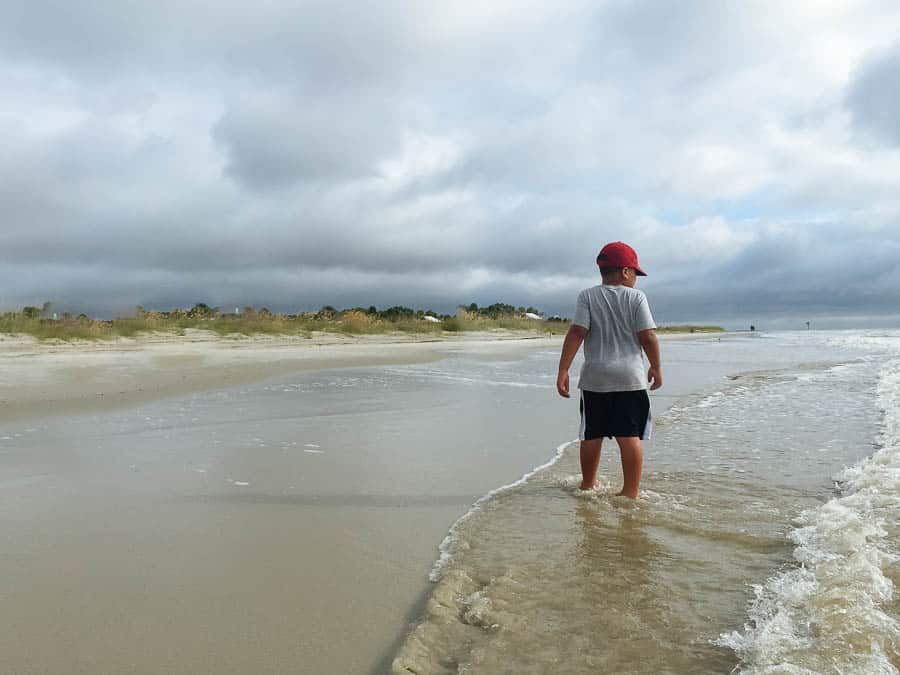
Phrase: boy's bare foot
[621,493]
[587,487]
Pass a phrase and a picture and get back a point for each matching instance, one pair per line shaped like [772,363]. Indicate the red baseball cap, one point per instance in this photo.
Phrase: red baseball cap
[619,254]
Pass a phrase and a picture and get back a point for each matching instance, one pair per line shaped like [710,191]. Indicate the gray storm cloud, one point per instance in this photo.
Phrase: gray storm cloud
[296,155]
[874,96]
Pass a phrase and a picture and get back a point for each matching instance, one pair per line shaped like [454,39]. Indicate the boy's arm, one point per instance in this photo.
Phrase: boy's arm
[650,345]
[573,341]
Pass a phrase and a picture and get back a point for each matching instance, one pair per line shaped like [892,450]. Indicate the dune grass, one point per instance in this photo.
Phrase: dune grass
[249,322]
[466,320]
[356,321]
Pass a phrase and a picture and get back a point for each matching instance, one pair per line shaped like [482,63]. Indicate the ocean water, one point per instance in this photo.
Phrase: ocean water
[767,539]
[429,515]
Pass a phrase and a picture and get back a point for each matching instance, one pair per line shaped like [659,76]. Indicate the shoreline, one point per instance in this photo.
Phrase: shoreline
[241,501]
[57,378]
[54,377]
[199,522]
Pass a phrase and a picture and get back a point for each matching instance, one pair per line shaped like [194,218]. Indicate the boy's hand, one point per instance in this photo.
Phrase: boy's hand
[562,383]
[654,376]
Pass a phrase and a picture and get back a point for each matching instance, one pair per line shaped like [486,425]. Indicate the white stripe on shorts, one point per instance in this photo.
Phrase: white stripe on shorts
[583,424]
[648,427]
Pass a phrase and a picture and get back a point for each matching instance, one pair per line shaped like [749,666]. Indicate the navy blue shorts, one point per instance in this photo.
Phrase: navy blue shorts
[614,413]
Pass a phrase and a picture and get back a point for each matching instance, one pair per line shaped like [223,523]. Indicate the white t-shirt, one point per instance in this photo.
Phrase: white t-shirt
[613,315]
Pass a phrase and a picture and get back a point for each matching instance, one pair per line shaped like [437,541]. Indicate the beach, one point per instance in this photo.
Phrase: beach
[367,506]
[284,291]
[60,377]
[176,505]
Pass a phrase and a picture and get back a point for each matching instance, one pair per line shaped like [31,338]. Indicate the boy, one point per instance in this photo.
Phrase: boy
[614,322]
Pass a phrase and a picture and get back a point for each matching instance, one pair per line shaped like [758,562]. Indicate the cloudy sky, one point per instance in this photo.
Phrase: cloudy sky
[296,154]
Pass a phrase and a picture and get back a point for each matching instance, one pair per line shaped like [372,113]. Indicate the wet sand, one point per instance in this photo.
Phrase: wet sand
[201,506]
[53,377]
[161,511]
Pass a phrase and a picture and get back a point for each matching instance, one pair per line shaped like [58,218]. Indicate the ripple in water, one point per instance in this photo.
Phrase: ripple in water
[541,577]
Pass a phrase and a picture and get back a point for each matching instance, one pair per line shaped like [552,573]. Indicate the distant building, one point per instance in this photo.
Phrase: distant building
[432,319]
[532,315]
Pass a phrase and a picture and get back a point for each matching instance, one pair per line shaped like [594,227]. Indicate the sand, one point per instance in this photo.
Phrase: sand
[54,377]
[199,505]
[161,514]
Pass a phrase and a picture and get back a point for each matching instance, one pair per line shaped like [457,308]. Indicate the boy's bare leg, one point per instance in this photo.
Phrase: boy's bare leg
[590,462]
[632,461]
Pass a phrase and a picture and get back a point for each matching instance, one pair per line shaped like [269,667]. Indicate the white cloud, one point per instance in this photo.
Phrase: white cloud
[447,152]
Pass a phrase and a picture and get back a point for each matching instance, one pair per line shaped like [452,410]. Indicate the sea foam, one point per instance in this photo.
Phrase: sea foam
[830,612]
